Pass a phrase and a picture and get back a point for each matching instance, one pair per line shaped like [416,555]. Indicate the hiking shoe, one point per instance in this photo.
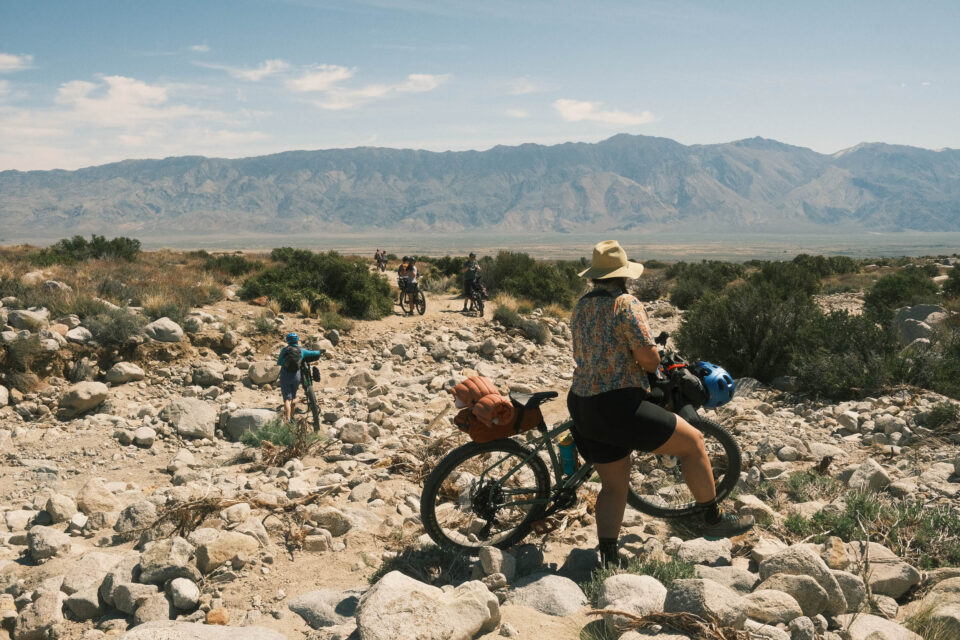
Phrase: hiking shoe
[729,526]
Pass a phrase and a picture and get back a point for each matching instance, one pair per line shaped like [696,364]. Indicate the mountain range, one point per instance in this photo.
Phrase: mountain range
[623,183]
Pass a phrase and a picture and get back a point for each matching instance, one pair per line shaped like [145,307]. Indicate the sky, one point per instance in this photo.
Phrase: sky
[89,82]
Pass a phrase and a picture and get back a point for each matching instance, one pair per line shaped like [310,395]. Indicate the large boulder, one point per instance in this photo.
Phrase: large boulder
[123,372]
[165,560]
[243,420]
[706,599]
[806,591]
[772,607]
[83,397]
[46,542]
[191,417]
[94,496]
[869,476]
[549,594]
[326,607]
[628,592]
[40,616]
[136,517]
[263,372]
[802,561]
[31,320]
[401,608]
[865,626]
[164,330]
[178,630]
[224,548]
[209,374]
[887,574]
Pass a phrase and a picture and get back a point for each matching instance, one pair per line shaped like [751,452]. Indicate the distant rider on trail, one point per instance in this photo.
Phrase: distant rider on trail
[471,274]
[289,361]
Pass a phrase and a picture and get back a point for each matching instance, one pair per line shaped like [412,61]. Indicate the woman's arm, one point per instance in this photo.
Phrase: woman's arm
[648,357]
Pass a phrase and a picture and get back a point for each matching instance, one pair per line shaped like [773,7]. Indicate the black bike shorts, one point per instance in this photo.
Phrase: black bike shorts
[608,426]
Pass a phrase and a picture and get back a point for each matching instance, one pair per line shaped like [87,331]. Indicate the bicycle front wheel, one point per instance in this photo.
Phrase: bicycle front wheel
[484,494]
[421,303]
[479,307]
[656,482]
[314,407]
[404,302]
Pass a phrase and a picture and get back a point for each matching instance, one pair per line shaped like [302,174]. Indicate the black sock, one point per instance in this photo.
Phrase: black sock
[712,513]
[608,550]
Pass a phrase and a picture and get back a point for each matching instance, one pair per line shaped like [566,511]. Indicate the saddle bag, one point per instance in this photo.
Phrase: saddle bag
[486,415]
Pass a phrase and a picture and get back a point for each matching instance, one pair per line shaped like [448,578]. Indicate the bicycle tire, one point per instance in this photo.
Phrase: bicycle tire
[404,303]
[479,307]
[421,303]
[661,492]
[314,407]
[445,490]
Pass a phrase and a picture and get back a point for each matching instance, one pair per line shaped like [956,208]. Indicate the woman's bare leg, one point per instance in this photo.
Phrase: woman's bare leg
[687,444]
[612,499]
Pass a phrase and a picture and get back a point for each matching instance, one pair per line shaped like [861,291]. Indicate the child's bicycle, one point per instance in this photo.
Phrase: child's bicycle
[494,493]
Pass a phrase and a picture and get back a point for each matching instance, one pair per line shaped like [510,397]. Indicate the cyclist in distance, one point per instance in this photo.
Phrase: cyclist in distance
[614,351]
[471,272]
[411,287]
[289,361]
[403,275]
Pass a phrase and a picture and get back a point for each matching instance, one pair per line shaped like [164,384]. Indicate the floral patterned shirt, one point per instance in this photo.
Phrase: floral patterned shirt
[605,330]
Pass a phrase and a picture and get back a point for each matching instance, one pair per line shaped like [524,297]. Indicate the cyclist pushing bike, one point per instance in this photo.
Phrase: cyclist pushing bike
[609,402]
[407,282]
[290,359]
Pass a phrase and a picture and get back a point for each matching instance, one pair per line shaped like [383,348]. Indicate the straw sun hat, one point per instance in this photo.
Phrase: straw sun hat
[610,261]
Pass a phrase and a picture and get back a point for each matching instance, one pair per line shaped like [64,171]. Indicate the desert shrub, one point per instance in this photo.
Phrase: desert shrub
[232,265]
[805,486]
[303,274]
[906,287]
[542,282]
[449,265]
[655,264]
[157,306]
[275,432]
[750,329]
[649,287]
[78,249]
[951,288]
[695,279]
[533,329]
[333,320]
[114,327]
[507,317]
[842,356]
[264,324]
[823,266]
[943,413]
[666,571]
[437,283]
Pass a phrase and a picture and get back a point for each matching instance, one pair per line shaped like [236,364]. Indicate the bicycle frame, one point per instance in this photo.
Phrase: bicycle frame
[561,482]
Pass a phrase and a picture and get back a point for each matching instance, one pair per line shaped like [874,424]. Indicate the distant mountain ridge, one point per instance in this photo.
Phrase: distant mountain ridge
[623,183]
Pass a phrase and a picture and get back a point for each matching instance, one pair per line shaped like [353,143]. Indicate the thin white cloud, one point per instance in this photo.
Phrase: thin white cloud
[337,99]
[265,69]
[579,110]
[321,77]
[12,62]
[4,88]
[119,101]
[523,86]
[924,84]
[518,113]
[200,48]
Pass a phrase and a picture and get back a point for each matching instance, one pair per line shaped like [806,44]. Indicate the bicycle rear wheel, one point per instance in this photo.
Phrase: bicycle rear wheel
[656,482]
[479,307]
[484,494]
[421,303]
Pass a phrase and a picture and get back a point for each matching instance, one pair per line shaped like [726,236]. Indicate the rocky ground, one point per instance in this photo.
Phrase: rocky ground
[127,506]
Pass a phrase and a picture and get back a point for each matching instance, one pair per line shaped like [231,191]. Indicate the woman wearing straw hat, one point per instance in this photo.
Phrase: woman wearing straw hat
[608,402]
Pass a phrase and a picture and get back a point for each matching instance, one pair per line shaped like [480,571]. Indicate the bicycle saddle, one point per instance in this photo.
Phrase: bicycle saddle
[533,400]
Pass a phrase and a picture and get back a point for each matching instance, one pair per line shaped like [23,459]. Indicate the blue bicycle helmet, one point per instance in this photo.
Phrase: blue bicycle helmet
[718,383]
[292,338]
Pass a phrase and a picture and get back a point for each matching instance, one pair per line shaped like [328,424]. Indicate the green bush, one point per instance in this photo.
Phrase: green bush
[907,287]
[233,265]
[536,330]
[943,413]
[507,317]
[951,288]
[333,320]
[542,282]
[842,356]
[449,265]
[304,275]
[696,279]
[114,327]
[264,324]
[276,432]
[649,287]
[78,249]
[822,266]
[750,329]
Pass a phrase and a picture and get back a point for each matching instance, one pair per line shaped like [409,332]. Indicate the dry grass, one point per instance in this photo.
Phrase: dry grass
[687,623]
[554,310]
[305,309]
[274,306]
[849,282]
[506,301]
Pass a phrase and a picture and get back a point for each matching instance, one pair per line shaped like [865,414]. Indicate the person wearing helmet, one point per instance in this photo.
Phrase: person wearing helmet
[613,350]
[407,280]
[471,274]
[289,360]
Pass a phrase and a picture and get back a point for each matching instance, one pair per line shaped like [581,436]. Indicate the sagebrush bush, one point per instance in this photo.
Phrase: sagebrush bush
[536,330]
[114,327]
[649,287]
[943,413]
[78,249]
[951,288]
[907,287]
[232,264]
[333,320]
[750,330]
[695,279]
[541,282]
[303,274]
[276,432]
[264,324]
[842,356]
[823,266]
